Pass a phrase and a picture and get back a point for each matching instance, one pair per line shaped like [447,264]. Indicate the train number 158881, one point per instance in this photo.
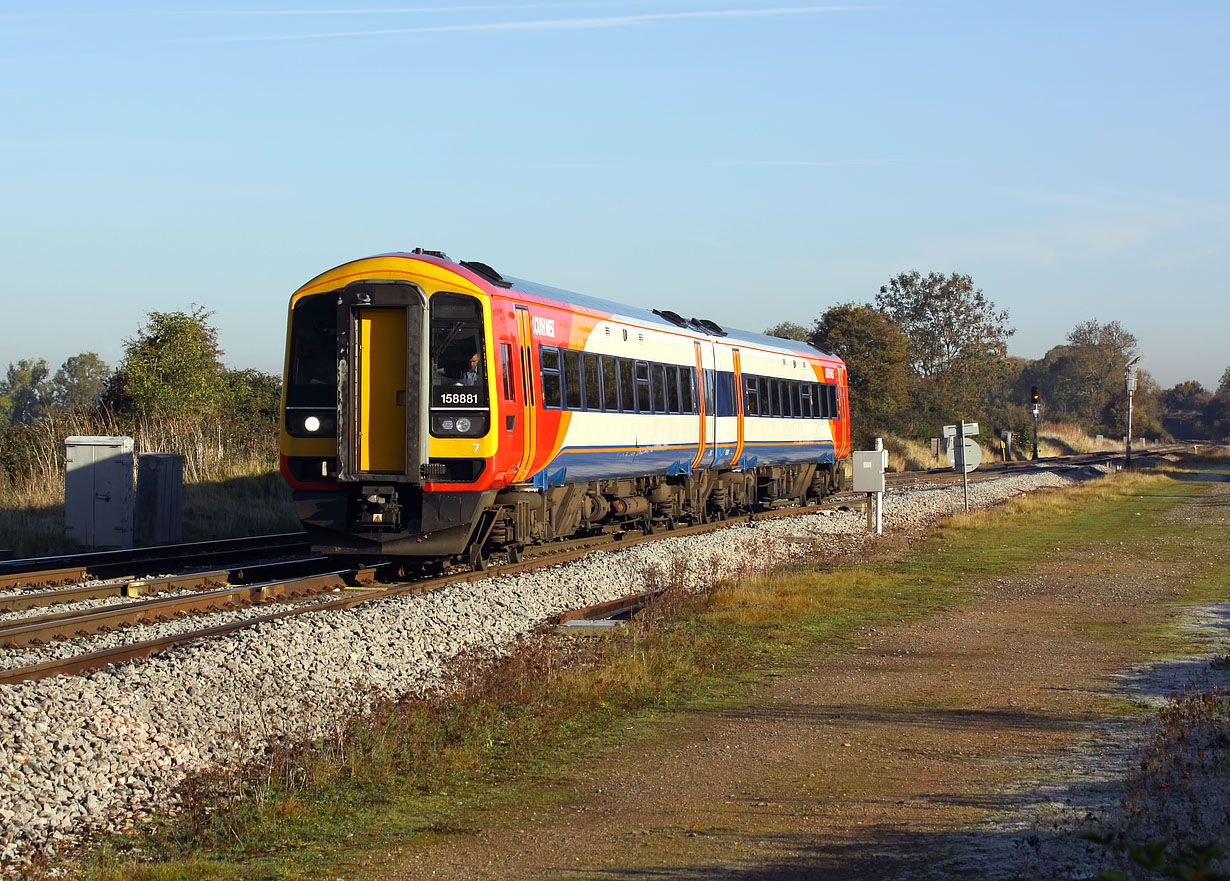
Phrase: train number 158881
[461,398]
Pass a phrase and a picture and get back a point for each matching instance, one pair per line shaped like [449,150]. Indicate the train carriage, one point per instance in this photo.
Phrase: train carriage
[436,409]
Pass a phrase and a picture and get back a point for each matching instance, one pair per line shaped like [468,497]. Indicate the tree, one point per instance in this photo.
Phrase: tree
[81,381]
[952,327]
[1224,384]
[25,392]
[254,394]
[1190,395]
[788,330]
[877,360]
[1085,378]
[171,368]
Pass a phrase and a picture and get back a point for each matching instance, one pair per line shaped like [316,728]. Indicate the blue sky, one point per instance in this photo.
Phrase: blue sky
[750,162]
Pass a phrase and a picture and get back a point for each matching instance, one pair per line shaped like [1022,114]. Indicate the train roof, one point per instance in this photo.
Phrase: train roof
[660,317]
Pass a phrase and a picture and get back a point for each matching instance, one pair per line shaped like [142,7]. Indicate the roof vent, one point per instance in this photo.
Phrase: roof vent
[427,253]
[482,269]
[673,317]
[709,326]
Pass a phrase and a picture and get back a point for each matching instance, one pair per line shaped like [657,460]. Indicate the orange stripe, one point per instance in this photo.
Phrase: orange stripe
[700,405]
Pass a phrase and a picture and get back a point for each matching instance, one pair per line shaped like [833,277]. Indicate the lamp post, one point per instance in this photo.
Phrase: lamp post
[1129,381]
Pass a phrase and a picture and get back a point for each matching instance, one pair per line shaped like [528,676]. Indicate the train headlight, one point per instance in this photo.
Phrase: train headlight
[463,424]
[446,424]
[311,424]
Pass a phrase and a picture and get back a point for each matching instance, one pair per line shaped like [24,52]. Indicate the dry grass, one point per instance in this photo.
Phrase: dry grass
[231,485]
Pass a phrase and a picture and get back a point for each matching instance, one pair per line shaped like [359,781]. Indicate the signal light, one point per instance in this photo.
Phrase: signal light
[1033,394]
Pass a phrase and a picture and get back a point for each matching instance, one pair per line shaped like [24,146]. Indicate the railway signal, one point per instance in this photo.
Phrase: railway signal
[1129,381]
[1035,402]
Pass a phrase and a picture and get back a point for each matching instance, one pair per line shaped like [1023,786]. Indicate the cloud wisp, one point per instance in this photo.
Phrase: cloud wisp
[549,24]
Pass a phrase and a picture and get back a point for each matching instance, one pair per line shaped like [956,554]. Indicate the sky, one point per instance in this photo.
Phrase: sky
[743,161]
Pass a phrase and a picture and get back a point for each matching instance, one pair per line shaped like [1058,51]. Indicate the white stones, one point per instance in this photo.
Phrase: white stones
[91,751]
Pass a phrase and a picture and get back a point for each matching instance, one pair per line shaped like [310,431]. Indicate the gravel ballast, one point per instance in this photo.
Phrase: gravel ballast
[101,750]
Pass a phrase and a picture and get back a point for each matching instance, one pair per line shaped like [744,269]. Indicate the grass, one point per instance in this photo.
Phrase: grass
[420,770]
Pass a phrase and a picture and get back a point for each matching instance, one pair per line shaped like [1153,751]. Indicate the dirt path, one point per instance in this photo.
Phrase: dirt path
[856,765]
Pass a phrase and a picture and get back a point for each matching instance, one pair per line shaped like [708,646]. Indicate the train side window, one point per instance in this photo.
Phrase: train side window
[506,371]
[687,400]
[659,388]
[643,404]
[672,387]
[752,394]
[785,397]
[610,384]
[552,395]
[572,379]
[796,397]
[833,397]
[593,382]
[820,407]
[806,399]
[779,398]
[627,387]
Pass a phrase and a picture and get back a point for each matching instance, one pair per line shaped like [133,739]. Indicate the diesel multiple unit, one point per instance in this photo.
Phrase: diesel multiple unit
[439,410]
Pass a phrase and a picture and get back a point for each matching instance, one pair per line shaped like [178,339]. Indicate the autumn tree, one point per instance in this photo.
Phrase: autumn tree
[1224,384]
[1083,381]
[877,361]
[81,381]
[25,392]
[788,330]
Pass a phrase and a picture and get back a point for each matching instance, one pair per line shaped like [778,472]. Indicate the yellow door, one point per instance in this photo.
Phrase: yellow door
[382,390]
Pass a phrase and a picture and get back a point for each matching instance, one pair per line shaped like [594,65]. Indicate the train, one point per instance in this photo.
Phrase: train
[436,410]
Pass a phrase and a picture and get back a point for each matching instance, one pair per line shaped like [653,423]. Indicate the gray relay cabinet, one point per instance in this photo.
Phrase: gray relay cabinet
[98,491]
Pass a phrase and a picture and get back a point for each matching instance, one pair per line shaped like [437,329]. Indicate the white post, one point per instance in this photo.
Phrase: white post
[879,500]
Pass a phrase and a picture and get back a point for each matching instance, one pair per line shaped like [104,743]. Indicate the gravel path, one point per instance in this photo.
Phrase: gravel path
[101,751]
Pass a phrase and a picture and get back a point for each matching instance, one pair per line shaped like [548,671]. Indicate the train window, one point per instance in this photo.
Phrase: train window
[659,388]
[833,409]
[552,388]
[796,398]
[627,388]
[610,384]
[806,399]
[572,379]
[672,388]
[458,354]
[786,411]
[313,353]
[593,382]
[506,370]
[687,400]
[751,405]
[643,404]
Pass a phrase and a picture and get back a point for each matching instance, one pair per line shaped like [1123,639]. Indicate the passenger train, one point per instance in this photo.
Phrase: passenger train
[438,410]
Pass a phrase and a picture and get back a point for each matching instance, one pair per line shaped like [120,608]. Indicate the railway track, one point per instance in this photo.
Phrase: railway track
[220,589]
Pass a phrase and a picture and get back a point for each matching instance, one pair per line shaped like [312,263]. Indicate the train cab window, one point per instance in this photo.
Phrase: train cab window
[506,371]
[593,382]
[552,386]
[672,388]
[627,387]
[751,404]
[687,400]
[313,353]
[458,355]
[659,388]
[572,380]
[610,384]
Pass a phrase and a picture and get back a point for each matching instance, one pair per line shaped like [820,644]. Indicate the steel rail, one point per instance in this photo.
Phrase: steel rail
[140,586]
[49,571]
[68,625]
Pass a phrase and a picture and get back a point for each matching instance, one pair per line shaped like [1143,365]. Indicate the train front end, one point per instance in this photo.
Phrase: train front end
[388,432]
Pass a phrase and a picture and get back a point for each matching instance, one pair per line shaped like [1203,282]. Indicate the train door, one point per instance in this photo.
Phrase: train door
[705,410]
[381,330]
[738,396]
[528,417]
